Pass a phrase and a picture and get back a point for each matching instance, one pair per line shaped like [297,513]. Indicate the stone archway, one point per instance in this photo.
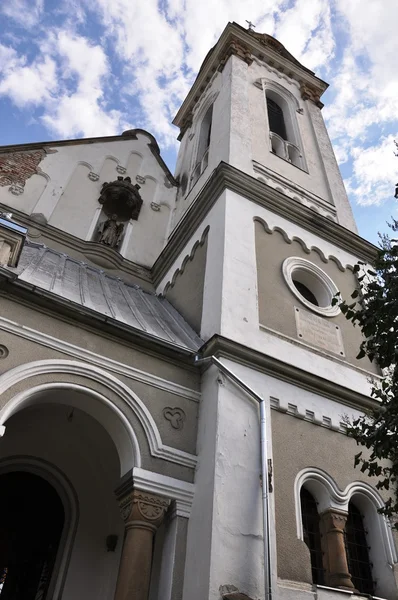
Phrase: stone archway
[65,491]
[30,535]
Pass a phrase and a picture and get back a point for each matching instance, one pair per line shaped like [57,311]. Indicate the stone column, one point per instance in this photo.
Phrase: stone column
[142,513]
[332,526]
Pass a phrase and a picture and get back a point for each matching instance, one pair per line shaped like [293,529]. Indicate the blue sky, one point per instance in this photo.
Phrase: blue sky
[79,68]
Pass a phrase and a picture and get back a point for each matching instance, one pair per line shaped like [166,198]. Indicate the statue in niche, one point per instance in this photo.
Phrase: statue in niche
[122,198]
[121,201]
[110,232]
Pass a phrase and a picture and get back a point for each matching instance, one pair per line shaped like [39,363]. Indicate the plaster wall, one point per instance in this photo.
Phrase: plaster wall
[65,193]
[161,397]
[277,303]
[218,94]
[240,136]
[225,530]
[25,321]
[186,290]
[297,421]
[240,309]
[294,442]
[212,288]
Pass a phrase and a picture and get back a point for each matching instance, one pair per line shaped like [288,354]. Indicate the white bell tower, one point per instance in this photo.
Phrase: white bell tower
[255,107]
[266,238]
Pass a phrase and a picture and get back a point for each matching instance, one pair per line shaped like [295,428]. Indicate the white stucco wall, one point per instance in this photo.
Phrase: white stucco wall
[239,315]
[240,137]
[66,193]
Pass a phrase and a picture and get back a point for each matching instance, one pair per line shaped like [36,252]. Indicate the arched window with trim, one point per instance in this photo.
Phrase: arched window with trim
[276,119]
[202,154]
[282,123]
[312,534]
[357,551]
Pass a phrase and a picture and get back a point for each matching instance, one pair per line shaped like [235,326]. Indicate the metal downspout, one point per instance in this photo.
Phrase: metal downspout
[264,464]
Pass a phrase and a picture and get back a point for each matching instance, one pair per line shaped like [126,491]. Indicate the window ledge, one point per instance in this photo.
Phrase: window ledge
[349,592]
[289,162]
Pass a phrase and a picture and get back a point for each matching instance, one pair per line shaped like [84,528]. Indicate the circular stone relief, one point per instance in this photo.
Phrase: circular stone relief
[312,286]
[3,351]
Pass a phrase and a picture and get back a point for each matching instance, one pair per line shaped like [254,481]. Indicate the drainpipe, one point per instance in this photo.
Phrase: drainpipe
[264,464]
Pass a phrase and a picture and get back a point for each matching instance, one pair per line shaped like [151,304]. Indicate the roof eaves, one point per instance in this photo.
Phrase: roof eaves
[87,315]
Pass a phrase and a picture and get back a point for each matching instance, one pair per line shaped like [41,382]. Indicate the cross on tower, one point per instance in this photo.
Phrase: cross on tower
[250,25]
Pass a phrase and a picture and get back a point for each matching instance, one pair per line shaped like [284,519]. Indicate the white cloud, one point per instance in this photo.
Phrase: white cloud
[67,78]
[28,84]
[26,13]
[163,49]
[306,31]
[84,72]
[374,172]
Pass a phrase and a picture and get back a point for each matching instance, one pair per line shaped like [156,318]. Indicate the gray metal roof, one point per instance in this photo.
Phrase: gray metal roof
[93,288]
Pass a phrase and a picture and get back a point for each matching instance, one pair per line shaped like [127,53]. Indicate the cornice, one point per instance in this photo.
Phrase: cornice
[99,254]
[227,177]
[235,40]
[129,134]
[220,346]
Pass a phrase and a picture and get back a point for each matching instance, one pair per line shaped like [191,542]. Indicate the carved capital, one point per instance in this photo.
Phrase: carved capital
[143,510]
[309,93]
[334,520]
[237,49]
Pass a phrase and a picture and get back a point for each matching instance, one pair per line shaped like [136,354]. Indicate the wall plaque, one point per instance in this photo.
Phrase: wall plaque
[319,331]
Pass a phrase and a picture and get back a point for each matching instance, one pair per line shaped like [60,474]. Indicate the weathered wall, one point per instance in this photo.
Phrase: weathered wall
[276,303]
[186,290]
[240,136]
[167,390]
[61,185]
[294,444]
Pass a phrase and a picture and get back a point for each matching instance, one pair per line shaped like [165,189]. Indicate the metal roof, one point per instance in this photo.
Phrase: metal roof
[92,288]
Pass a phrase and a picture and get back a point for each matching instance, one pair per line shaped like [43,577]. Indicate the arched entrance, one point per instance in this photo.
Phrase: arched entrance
[32,520]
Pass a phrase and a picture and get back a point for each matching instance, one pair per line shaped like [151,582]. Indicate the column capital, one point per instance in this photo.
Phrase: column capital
[141,509]
[334,518]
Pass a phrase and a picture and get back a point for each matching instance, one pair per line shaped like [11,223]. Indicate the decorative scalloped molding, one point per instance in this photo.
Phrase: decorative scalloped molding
[289,78]
[180,270]
[295,192]
[306,249]
[89,372]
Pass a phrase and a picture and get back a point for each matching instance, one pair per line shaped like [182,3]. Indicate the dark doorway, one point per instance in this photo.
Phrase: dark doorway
[32,519]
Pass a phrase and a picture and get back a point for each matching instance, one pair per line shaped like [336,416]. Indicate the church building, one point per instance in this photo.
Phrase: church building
[174,377]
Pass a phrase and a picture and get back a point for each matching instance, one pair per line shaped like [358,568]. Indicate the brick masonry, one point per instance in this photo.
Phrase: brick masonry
[17,167]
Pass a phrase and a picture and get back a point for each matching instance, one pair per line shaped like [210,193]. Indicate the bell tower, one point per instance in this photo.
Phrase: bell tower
[255,107]
[266,238]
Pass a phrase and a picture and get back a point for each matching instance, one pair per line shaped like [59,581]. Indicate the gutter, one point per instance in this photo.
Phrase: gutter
[264,463]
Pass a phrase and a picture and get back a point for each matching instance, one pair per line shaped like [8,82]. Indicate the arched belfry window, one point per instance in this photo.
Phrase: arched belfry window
[282,109]
[276,119]
[357,551]
[202,154]
[312,534]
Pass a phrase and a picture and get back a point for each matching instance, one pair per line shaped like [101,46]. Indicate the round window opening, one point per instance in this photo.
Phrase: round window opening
[311,285]
[304,291]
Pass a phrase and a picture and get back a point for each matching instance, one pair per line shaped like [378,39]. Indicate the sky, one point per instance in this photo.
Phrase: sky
[82,68]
